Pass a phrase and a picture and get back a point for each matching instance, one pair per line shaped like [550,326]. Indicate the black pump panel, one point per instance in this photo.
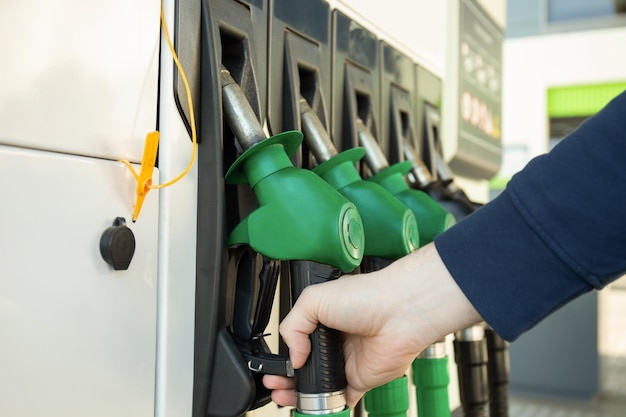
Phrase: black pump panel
[356,81]
[398,102]
[299,64]
[243,16]
[429,93]
[210,34]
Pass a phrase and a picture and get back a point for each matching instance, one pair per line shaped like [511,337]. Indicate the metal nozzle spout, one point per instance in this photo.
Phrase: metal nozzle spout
[436,350]
[374,157]
[470,334]
[419,173]
[315,134]
[444,173]
[239,114]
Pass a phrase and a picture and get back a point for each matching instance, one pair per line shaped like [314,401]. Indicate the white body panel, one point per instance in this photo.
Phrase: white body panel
[78,338]
[79,76]
[78,92]
[177,251]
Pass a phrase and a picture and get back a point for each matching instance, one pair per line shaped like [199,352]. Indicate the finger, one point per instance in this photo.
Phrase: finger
[299,345]
[296,327]
[284,397]
[278,382]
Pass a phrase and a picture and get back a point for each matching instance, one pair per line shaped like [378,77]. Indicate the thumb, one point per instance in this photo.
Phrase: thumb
[353,396]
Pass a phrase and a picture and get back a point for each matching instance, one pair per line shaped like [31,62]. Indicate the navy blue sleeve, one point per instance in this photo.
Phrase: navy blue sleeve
[556,232]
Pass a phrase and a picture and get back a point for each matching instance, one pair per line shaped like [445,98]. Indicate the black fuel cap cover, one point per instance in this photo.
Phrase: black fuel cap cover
[117,245]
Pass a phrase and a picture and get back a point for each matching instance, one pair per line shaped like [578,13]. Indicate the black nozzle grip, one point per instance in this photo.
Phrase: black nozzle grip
[324,370]
[498,370]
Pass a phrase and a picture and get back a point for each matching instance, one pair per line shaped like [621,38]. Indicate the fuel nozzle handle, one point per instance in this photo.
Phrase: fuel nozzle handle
[239,114]
[321,382]
[317,137]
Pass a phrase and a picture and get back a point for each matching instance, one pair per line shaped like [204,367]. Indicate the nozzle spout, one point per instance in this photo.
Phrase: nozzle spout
[374,157]
[444,173]
[419,172]
[239,114]
[315,134]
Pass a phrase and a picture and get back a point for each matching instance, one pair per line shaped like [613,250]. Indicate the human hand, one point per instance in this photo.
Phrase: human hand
[350,304]
[387,317]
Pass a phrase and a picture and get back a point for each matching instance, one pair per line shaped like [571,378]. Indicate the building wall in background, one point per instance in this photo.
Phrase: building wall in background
[532,65]
[543,17]
[539,55]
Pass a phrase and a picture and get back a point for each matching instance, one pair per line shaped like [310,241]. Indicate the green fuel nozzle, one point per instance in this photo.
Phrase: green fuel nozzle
[390,228]
[300,219]
[432,219]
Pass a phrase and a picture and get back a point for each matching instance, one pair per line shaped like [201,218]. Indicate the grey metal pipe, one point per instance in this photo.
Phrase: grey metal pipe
[419,173]
[374,156]
[315,134]
[471,334]
[436,350]
[239,114]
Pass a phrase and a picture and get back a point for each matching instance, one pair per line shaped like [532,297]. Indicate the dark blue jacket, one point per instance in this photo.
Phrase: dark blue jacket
[556,232]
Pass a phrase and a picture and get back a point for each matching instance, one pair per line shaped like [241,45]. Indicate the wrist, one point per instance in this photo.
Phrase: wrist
[427,298]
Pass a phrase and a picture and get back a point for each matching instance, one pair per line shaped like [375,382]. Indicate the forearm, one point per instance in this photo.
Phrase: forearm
[554,234]
[432,301]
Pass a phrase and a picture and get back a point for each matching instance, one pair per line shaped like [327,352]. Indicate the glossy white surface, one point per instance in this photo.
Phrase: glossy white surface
[78,338]
[79,76]
[177,253]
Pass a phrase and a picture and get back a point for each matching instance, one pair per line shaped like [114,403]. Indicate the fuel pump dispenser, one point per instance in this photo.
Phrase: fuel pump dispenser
[301,219]
[430,369]
[481,355]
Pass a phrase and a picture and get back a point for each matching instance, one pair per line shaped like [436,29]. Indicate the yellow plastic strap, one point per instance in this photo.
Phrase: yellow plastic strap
[151,146]
[144,183]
